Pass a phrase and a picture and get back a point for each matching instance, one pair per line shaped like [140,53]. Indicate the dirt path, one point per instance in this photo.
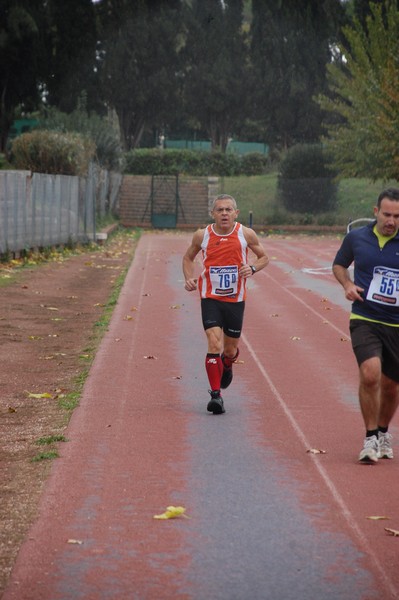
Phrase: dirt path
[48,317]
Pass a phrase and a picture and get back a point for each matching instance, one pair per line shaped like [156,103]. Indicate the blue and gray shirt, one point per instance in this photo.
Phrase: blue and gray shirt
[376,270]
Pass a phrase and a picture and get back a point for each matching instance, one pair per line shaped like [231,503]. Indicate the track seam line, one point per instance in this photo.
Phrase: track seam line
[307,305]
[322,472]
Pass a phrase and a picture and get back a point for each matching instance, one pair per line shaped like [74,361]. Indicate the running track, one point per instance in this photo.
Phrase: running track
[268,520]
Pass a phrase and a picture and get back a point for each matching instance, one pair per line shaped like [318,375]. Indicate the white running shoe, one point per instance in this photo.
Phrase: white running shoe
[385,445]
[370,452]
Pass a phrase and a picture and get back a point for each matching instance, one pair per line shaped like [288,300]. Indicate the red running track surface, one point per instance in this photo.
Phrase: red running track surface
[267,518]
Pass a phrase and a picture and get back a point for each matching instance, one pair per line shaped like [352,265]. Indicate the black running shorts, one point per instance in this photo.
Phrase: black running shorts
[226,315]
[375,339]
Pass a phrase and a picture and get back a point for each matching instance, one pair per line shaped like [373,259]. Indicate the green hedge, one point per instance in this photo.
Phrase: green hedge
[52,152]
[193,162]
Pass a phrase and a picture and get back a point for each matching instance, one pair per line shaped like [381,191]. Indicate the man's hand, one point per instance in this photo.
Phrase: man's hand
[353,292]
[190,285]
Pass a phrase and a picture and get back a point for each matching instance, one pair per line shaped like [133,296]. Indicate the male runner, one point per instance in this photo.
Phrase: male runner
[222,286]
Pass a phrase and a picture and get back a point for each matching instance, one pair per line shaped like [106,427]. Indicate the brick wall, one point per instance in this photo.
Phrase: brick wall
[195,194]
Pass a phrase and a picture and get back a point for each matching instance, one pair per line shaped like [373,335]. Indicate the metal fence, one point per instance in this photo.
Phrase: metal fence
[38,210]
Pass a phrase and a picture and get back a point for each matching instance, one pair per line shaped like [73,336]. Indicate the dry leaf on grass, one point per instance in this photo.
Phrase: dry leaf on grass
[44,395]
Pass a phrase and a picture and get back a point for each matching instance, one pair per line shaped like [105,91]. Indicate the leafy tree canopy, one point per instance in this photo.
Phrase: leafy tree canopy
[363,133]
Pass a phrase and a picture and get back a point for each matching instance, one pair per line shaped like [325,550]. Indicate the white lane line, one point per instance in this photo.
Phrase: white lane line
[322,317]
[350,519]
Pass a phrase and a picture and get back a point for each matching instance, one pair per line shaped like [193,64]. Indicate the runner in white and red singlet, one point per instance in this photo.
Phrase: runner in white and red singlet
[222,285]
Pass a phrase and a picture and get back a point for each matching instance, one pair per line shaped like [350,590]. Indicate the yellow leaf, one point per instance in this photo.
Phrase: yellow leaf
[393,532]
[71,541]
[175,306]
[378,518]
[35,337]
[172,512]
[44,395]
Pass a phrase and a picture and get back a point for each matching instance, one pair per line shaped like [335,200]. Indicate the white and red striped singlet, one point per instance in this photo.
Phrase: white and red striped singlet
[222,256]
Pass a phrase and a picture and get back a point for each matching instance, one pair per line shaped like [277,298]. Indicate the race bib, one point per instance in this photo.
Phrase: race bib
[224,280]
[384,287]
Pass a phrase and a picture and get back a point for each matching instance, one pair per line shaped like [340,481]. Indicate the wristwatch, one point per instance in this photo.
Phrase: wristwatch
[253,269]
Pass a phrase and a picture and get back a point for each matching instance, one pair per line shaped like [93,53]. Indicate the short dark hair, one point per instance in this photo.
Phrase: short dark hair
[390,194]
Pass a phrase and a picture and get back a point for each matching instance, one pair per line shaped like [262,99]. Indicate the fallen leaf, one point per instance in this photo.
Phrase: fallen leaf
[294,337]
[11,409]
[127,318]
[175,306]
[37,396]
[316,451]
[72,541]
[151,357]
[172,512]
[378,518]
[275,315]
[178,377]
[393,532]
[35,337]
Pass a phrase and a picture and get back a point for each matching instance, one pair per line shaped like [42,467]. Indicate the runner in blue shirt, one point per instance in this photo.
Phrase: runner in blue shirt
[374,320]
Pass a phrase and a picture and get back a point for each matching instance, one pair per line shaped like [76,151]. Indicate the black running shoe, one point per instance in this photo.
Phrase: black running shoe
[227,375]
[215,404]
[227,378]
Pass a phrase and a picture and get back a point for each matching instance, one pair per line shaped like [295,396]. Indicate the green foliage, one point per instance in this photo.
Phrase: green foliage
[52,152]
[98,129]
[138,62]
[216,70]
[290,46]
[193,162]
[306,183]
[363,107]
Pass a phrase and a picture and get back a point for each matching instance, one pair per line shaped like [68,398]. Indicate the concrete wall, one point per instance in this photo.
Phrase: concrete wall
[195,195]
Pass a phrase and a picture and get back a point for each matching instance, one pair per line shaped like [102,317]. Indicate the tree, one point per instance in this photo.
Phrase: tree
[216,66]
[138,62]
[364,100]
[70,38]
[291,45]
[19,60]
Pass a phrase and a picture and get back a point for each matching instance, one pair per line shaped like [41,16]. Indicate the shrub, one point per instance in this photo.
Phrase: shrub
[306,182]
[98,129]
[193,162]
[254,163]
[52,152]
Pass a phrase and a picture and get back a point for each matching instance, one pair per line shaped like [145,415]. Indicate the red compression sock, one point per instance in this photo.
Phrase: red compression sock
[229,361]
[214,370]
